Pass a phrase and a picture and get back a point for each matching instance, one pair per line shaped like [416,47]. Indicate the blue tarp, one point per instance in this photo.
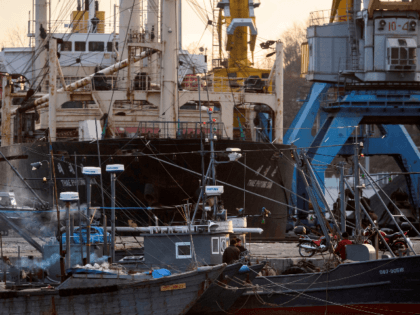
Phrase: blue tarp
[156,274]
[244,269]
[96,235]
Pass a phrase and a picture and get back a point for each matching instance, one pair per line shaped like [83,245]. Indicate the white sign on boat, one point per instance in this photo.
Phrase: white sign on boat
[89,170]
[69,196]
[214,190]
[115,168]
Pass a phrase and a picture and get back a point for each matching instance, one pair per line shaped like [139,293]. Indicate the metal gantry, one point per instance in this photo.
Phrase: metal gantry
[340,120]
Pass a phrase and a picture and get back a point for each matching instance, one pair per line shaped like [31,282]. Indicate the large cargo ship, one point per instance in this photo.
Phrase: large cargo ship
[147,101]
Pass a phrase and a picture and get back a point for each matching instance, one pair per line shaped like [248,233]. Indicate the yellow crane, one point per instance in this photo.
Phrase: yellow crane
[340,10]
[239,18]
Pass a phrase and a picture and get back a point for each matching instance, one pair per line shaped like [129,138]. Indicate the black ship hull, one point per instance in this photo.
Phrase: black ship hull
[158,173]
[388,286]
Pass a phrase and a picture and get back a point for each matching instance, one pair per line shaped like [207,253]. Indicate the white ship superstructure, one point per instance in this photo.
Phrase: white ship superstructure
[160,88]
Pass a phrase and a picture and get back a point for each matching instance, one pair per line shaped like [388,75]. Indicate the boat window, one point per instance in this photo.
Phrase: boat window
[96,46]
[80,46]
[222,244]
[214,245]
[109,46]
[183,250]
[66,46]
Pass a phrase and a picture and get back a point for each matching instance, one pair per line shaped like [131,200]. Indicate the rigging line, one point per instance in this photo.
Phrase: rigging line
[224,183]
[259,174]
[147,212]
[122,53]
[136,200]
[159,246]
[323,185]
[189,197]
[119,149]
[310,297]
[42,47]
[199,14]
[86,40]
[29,64]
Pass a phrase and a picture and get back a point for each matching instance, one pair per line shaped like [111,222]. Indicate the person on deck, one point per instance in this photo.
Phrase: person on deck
[341,247]
[232,253]
[239,245]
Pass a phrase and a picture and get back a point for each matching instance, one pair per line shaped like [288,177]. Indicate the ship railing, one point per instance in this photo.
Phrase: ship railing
[181,130]
[80,26]
[332,96]
[323,17]
[229,85]
[382,179]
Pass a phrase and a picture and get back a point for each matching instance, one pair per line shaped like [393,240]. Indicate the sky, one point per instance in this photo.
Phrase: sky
[273,16]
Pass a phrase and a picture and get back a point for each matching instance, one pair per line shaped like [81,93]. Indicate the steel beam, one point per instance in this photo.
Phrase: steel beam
[300,131]
[279,84]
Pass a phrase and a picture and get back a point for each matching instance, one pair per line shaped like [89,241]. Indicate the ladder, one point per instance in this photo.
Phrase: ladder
[354,47]
[393,216]
[215,49]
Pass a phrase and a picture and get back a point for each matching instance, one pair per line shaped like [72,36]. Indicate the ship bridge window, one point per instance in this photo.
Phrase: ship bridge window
[80,46]
[96,46]
[109,46]
[401,54]
[66,46]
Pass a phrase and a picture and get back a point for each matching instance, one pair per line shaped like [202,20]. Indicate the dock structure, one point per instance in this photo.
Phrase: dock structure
[365,87]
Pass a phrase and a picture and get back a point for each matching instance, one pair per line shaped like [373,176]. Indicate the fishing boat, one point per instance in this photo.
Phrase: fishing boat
[113,294]
[121,95]
[385,286]
[360,282]
[232,287]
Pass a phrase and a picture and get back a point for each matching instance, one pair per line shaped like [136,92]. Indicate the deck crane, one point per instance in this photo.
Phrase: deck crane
[238,17]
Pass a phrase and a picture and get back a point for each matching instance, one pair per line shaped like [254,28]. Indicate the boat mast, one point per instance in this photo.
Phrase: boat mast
[180,25]
[92,14]
[40,53]
[357,192]
[152,31]
[169,64]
